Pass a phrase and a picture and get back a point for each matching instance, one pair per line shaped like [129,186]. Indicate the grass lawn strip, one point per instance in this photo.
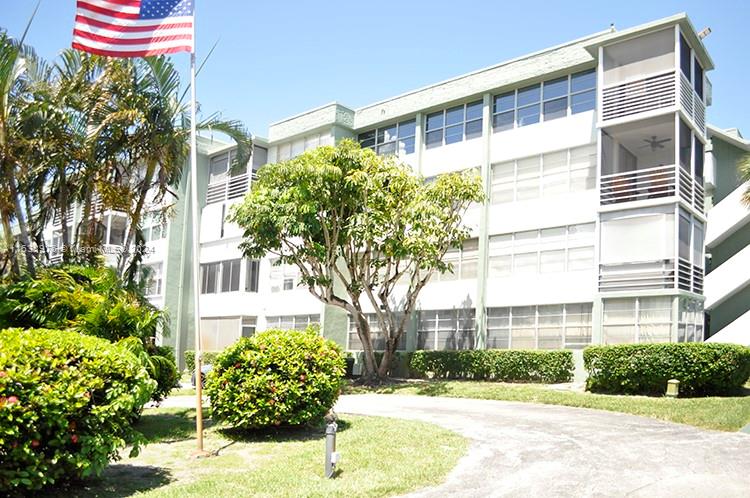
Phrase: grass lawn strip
[718,413]
[380,457]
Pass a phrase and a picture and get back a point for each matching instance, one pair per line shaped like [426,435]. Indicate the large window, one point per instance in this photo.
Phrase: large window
[637,320]
[290,150]
[396,139]
[283,277]
[219,333]
[638,236]
[220,166]
[545,175]
[690,320]
[546,101]
[464,260]
[153,285]
[378,338]
[446,329]
[251,275]
[550,250]
[453,125]
[292,322]
[222,276]
[154,227]
[540,327]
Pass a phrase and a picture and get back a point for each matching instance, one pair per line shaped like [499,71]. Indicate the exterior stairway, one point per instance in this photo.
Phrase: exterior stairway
[733,275]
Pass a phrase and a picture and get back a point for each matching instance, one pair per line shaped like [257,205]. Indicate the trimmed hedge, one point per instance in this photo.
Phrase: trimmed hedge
[703,369]
[276,377]
[67,405]
[208,357]
[504,365]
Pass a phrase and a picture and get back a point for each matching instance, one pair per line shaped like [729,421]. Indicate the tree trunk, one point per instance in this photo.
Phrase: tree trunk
[363,330]
[135,218]
[10,240]
[63,205]
[22,227]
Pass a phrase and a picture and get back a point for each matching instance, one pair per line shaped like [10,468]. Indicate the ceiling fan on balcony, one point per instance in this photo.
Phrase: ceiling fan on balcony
[655,143]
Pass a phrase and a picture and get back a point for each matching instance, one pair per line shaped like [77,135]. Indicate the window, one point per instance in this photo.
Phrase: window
[251,275]
[583,91]
[652,228]
[218,168]
[453,125]
[378,338]
[248,325]
[528,105]
[685,236]
[260,157]
[637,320]
[691,233]
[446,329]
[546,175]
[464,260]
[548,100]
[555,95]
[550,250]
[283,277]
[698,78]
[396,139]
[540,327]
[686,145]
[219,333]
[685,56]
[153,285]
[222,276]
[698,161]
[153,227]
[292,322]
[690,320]
[230,275]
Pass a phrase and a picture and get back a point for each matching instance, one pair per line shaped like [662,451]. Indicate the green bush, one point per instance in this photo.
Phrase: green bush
[505,365]
[67,404]
[209,357]
[274,378]
[703,369]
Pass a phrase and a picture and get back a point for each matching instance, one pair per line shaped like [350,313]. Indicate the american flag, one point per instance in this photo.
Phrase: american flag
[133,28]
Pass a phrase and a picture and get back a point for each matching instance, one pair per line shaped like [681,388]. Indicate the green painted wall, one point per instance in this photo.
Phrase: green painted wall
[730,310]
[178,291]
[726,157]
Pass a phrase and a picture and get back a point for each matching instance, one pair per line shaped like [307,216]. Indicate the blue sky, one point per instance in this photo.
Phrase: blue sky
[276,59]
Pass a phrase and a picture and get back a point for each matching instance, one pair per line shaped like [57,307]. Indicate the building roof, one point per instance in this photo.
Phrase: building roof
[730,135]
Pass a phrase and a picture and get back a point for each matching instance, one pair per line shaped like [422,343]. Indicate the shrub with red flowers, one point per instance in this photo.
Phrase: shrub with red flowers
[67,405]
[276,378]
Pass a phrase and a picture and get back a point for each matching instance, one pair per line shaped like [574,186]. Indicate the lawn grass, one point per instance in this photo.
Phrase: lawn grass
[380,457]
[719,413]
[182,391]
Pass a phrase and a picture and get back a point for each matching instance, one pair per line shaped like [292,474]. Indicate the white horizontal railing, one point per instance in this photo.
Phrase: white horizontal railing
[728,216]
[642,95]
[691,191]
[644,275]
[692,103]
[231,188]
[649,183]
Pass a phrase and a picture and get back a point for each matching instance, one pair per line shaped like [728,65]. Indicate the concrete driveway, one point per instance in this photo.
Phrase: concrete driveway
[521,449]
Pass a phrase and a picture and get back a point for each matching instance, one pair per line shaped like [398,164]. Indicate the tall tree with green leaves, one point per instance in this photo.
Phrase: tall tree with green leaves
[363,230]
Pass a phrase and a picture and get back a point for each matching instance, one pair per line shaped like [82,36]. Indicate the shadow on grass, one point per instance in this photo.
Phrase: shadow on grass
[280,434]
[117,480]
[172,426]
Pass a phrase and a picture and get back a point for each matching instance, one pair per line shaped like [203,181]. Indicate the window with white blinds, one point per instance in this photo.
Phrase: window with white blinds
[540,327]
[549,250]
[637,320]
[544,175]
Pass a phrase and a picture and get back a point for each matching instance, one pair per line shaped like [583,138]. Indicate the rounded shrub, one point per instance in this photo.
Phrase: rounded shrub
[67,404]
[703,369]
[274,378]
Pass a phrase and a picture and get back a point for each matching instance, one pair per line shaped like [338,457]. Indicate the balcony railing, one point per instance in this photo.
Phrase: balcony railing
[637,276]
[232,188]
[692,103]
[689,276]
[650,183]
[658,91]
[642,95]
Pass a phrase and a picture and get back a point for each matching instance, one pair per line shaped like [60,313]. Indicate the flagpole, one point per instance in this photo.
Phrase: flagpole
[196,226]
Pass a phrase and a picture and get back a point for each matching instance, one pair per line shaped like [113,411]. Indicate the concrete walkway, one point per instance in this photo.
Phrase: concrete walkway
[522,449]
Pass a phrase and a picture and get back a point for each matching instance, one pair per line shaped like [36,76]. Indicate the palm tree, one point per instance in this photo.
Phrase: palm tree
[18,63]
[743,168]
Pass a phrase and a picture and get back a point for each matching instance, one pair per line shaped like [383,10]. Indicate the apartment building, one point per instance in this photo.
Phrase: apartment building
[598,167]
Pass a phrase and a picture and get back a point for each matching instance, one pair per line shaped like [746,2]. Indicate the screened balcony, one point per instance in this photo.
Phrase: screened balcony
[651,159]
[645,75]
